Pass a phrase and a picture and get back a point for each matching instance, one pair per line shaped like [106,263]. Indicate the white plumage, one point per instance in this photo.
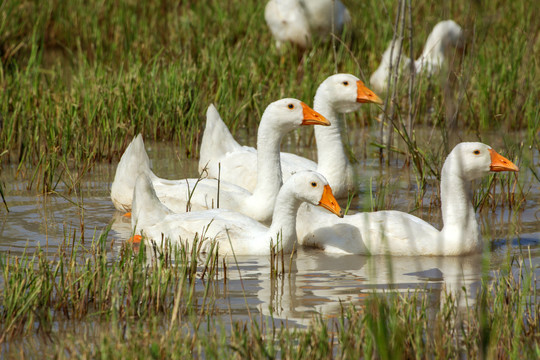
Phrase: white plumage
[279,118]
[398,233]
[337,95]
[326,16]
[296,20]
[287,22]
[379,79]
[445,36]
[232,231]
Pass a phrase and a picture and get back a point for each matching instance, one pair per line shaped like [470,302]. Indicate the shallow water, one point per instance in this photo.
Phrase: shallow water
[313,282]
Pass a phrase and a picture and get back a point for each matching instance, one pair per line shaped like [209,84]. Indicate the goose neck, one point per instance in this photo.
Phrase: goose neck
[269,177]
[330,150]
[284,219]
[434,50]
[458,213]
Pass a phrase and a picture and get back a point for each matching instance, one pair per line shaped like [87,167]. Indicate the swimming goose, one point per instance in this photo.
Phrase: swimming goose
[398,233]
[338,94]
[279,118]
[233,231]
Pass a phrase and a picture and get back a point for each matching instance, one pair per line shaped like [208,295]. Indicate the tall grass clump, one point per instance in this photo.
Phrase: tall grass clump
[87,284]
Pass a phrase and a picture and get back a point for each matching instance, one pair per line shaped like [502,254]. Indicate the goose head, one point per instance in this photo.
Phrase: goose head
[345,93]
[473,160]
[288,114]
[313,188]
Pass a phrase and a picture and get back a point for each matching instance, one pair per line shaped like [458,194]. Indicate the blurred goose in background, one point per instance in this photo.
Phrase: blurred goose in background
[338,94]
[279,118]
[234,232]
[326,16]
[445,35]
[287,22]
[398,233]
[295,20]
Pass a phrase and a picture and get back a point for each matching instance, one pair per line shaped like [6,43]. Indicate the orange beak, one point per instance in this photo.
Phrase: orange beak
[500,163]
[128,215]
[311,117]
[329,202]
[136,239]
[365,95]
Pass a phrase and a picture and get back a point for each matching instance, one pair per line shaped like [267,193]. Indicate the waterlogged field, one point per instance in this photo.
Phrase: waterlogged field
[79,79]
[304,291]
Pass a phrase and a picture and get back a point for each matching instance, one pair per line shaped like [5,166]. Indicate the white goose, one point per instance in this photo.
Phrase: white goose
[295,20]
[287,22]
[233,231]
[338,94]
[444,36]
[279,118]
[399,233]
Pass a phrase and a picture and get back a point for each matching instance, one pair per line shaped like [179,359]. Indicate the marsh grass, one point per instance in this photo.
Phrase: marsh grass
[3,198]
[441,100]
[161,302]
[83,283]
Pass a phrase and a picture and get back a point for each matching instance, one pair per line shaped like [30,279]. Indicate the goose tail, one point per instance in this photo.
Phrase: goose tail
[147,210]
[217,140]
[134,162]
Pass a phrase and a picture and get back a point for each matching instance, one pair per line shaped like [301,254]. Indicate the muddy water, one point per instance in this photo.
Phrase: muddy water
[314,282]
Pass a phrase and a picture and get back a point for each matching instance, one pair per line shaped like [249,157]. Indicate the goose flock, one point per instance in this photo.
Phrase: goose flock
[279,118]
[338,94]
[249,201]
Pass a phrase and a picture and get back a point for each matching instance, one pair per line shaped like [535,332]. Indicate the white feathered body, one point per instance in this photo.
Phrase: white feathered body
[381,233]
[233,231]
[399,233]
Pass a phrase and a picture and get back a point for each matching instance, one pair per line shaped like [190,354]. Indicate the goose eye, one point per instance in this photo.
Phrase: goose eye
[314,184]
[476,152]
[290,106]
[346,83]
